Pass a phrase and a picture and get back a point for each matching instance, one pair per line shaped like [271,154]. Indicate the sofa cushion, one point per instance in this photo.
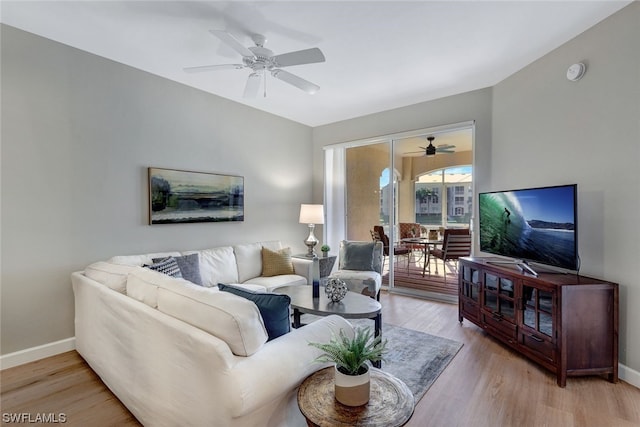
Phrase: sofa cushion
[141,259]
[271,283]
[249,259]
[189,267]
[362,282]
[249,287]
[168,266]
[357,256]
[233,319]
[217,265]
[143,284]
[274,308]
[275,263]
[114,276]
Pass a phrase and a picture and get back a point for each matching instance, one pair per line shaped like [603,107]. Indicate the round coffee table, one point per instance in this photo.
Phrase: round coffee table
[391,402]
[352,306]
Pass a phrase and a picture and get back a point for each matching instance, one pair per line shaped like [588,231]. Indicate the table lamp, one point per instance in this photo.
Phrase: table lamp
[312,215]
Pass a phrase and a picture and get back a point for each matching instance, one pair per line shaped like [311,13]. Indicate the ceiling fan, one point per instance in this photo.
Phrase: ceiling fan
[431,150]
[262,61]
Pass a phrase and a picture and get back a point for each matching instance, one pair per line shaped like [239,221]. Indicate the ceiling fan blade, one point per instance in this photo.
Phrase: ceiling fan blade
[253,86]
[296,81]
[307,56]
[232,42]
[446,147]
[213,68]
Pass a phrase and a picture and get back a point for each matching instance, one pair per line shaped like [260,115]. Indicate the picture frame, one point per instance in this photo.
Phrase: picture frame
[179,196]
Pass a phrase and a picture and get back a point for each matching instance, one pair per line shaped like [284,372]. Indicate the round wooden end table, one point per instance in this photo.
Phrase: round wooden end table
[391,402]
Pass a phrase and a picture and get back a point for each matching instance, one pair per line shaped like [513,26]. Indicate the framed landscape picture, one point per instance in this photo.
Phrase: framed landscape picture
[177,196]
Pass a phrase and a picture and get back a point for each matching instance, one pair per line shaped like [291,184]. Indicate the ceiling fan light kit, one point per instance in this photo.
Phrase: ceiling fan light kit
[262,60]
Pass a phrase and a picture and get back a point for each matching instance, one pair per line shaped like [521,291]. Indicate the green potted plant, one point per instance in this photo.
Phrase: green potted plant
[325,250]
[350,355]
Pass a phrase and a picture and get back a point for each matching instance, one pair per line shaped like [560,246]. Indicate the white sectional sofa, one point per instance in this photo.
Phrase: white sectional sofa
[180,354]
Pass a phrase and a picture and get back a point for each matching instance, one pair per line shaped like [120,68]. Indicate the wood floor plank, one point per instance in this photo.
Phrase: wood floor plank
[486,384]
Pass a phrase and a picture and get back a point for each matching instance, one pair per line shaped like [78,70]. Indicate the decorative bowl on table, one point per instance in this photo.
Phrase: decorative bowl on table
[335,289]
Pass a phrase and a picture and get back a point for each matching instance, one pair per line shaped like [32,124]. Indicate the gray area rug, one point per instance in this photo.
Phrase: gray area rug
[414,357]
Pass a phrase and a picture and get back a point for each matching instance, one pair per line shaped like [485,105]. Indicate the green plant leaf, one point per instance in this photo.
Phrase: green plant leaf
[352,354]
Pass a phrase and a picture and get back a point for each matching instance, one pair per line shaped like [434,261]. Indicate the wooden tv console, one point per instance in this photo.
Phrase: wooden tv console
[565,322]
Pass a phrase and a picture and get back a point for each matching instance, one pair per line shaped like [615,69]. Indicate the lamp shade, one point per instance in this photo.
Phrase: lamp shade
[311,214]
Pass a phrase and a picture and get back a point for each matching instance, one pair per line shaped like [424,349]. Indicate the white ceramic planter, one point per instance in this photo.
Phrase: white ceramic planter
[352,390]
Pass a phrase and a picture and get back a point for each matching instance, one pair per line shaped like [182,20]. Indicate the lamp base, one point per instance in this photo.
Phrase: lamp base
[311,241]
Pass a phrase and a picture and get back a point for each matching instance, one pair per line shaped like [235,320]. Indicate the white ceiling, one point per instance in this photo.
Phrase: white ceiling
[379,54]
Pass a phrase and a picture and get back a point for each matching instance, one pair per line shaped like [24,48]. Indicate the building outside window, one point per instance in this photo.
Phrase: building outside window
[455,208]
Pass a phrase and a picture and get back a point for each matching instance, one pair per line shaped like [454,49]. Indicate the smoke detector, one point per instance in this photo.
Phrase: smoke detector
[576,71]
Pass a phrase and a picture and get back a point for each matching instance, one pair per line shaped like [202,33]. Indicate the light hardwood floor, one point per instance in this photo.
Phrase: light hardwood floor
[486,384]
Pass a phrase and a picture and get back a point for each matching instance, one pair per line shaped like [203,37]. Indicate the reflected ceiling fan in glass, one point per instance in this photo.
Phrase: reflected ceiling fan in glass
[431,150]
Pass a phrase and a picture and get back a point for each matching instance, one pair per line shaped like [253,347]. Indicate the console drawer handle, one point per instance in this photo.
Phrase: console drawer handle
[535,338]
[497,317]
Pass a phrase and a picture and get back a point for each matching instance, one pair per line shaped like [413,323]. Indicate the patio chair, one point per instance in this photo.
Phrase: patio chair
[398,250]
[456,244]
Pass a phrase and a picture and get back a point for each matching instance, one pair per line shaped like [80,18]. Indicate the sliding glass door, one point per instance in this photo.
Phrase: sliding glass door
[360,193]
[398,179]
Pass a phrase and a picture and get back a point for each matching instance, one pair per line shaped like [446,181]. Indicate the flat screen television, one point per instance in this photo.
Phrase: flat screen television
[531,225]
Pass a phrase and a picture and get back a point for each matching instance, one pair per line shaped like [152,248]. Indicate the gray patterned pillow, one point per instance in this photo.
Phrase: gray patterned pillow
[189,266]
[168,266]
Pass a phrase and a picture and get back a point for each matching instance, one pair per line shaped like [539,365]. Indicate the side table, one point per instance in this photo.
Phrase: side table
[391,403]
[325,264]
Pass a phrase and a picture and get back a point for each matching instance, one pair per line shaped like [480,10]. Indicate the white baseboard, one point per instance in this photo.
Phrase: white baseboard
[36,353]
[629,375]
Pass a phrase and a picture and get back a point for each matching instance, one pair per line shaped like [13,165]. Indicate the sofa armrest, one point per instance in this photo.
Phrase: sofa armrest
[282,364]
[303,267]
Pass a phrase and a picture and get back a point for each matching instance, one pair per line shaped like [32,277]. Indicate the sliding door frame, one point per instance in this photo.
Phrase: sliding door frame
[390,139]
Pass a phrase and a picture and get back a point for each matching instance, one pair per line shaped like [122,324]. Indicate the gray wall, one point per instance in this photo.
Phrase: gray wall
[475,105]
[536,128]
[548,130]
[78,133]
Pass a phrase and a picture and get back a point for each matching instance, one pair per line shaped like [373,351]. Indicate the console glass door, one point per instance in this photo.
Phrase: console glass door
[538,309]
[499,295]
[471,283]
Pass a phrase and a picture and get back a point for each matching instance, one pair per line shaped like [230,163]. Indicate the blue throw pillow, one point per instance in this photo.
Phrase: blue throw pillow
[274,309]
[189,266]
